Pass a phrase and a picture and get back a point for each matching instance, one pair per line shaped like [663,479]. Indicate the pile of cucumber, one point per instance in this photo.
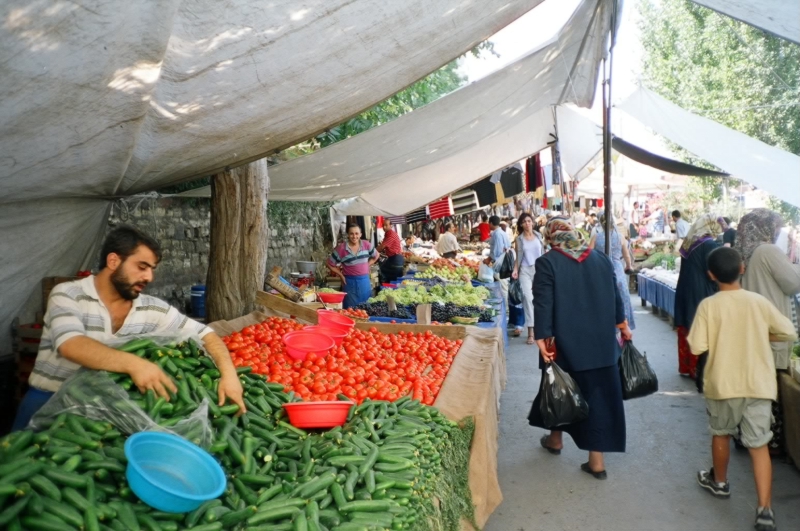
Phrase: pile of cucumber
[399,465]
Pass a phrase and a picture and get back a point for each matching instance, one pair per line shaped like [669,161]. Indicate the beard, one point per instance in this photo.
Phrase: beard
[124,287]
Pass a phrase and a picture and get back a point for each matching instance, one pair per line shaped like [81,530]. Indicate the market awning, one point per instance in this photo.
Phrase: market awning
[112,98]
[767,167]
[779,17]
[459,138]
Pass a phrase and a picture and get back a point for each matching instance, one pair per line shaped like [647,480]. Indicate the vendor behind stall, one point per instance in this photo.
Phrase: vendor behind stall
[350,261]
[391,247]
[85,315]
[447,246]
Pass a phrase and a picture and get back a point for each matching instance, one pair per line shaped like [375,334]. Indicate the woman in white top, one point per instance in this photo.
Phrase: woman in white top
[447,246]
[528,247]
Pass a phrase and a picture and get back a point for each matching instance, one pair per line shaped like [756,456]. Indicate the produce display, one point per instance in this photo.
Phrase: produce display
[460,294]
[368,364]
[354,313]
[381,309]
[327,290]
[448,272]
[440,313]
[659,259]
[393,465]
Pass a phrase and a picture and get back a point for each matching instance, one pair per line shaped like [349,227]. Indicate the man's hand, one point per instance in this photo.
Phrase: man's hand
[230,387]
[515,274]
[147,375]
[547,355]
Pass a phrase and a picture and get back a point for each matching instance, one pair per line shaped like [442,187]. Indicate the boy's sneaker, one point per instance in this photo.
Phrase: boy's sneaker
[705,478]
[765,519]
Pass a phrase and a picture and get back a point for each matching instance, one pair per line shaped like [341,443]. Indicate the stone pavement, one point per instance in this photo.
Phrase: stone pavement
[652,487]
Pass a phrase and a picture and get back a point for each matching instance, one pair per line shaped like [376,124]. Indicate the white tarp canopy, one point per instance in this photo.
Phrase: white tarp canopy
[107,98]
[767,167]
[460,138]
[779,17]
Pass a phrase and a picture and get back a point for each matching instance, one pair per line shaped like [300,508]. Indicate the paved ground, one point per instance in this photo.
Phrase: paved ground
[651,487]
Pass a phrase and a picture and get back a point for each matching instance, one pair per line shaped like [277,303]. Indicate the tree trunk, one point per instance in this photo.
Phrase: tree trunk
[239,240]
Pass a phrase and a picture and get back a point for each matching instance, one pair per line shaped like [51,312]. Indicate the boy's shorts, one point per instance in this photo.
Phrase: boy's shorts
[752,415]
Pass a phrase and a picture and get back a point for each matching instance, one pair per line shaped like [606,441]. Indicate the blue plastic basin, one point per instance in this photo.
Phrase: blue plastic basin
[171,474]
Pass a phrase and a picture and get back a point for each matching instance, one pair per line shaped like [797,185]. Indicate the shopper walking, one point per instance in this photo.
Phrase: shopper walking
[769,273]
[350,261]
[621,258]
[498,245]
[571,280]
[694,285]
[529,247]
[734,327]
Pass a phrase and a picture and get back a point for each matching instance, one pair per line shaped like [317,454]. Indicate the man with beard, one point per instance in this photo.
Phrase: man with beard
[84,316]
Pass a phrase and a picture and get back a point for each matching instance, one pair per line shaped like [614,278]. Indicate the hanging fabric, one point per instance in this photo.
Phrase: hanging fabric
[398,220]
[486,192]
[440,209]
[415,216]
[464,201]
[511,181]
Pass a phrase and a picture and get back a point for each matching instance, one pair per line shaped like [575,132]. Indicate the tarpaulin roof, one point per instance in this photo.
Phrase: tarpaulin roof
[779,17]
[767,167]
[105,98]
[456,140]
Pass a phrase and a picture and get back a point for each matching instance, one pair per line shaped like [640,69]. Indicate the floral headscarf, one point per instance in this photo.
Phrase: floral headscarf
[706,227]
[564,238]
[759,226]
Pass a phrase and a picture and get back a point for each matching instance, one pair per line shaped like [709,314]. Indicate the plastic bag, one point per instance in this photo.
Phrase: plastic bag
[485,274]
[507,266]
[700,371]
[637,376]
[94,395]
[515,297]
[561,399]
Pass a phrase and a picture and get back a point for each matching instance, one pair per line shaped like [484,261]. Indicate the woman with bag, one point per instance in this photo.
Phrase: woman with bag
[694,284]
[620,257]
[529,248]
[571,280]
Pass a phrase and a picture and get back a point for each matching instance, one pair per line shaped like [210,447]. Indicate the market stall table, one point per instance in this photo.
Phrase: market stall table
[471,388]
[660,294]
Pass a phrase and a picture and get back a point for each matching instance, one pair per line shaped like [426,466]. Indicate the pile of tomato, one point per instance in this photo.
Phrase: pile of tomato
[356,314]
[368,364]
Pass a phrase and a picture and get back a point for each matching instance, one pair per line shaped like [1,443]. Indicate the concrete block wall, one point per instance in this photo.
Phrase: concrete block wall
[182,228]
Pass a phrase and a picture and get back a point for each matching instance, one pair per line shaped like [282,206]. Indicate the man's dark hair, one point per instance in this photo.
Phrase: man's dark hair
[676,214]
[123,241]
[484,218]
[725,263]
[494,221]
[635,204]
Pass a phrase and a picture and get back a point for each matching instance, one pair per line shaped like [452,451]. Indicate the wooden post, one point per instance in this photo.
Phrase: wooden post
[239,240]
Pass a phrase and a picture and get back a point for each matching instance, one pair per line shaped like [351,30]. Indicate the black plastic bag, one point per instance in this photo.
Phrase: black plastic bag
[507,266]
[515,293]
[561,401]
[637,376]
[700,371]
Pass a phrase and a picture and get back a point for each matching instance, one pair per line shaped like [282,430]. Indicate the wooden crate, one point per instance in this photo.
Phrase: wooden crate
[48,283]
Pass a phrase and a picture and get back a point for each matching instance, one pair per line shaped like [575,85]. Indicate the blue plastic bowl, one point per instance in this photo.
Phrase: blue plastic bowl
[171,474]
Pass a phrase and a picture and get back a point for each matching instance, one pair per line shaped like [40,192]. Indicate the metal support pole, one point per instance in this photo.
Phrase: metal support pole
[607,69]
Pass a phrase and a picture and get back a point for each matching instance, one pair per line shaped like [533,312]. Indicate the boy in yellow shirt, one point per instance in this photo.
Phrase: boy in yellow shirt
[735,327]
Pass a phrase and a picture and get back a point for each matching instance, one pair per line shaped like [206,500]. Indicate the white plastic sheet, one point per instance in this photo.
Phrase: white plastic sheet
[459,138]
[107,98]
[779,17]
[764,166]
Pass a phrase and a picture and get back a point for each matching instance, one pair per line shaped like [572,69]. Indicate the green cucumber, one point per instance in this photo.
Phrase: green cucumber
[363,506]
[214,526]
[41,523]
[45,487]
[272,515]
[236,517]
[193,517]
[20,474]
[66,512]
[11,512]
[83,442]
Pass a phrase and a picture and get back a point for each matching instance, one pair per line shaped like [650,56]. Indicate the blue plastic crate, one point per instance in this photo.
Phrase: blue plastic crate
[390,319]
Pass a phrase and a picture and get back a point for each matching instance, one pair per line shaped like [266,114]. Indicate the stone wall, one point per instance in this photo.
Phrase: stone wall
[182,227]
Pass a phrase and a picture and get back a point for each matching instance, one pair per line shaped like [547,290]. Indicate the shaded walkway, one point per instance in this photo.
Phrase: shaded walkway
[652,487]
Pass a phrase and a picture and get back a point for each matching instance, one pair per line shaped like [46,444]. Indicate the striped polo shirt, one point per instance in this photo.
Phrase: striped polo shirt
[353,264]
[74,309]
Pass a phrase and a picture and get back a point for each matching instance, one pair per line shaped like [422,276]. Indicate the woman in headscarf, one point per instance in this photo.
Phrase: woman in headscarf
[694,284]
[768,272]
[620,257]
[572,280]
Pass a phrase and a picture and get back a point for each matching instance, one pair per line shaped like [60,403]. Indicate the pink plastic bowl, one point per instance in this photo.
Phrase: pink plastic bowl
[331,319]
[337,334]
[300,342]
[331,298]
[318,414]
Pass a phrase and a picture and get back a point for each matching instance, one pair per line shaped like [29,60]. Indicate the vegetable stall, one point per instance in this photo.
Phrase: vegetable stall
[396,463]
